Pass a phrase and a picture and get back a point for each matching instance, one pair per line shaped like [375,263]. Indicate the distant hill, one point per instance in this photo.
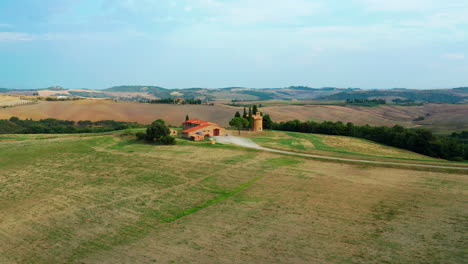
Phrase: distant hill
[134,88]
[430,96]
[55,88]
[461,89]
[139,92]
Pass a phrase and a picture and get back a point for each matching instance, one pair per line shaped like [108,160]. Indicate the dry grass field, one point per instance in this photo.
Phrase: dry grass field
[108,199]
[11,100]
[440,118]
[99,109]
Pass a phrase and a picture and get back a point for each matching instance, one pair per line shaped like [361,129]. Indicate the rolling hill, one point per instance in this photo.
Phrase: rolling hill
[137,92]
[440,118]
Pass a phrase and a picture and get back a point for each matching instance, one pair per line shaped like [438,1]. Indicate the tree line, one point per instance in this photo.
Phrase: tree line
[172,101]
[365,102]
[461,136]
[58,98]
[14,125]
[418,140]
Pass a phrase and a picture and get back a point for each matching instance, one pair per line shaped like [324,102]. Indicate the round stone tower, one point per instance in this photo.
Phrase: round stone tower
[258,122]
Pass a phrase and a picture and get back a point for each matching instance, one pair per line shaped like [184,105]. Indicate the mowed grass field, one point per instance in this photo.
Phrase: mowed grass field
[339,146]
[441,118]
[108,199]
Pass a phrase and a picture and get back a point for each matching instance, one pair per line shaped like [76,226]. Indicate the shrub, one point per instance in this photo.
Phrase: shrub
[140,136]
[156,130]
[127,133]
[159,133]
[166,140]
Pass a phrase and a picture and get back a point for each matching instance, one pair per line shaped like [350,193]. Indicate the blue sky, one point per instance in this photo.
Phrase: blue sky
[218,43]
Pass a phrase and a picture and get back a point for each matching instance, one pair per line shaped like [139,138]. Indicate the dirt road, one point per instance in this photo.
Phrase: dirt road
[245,142]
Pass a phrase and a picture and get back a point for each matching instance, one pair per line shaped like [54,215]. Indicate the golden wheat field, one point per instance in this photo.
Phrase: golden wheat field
[10,100]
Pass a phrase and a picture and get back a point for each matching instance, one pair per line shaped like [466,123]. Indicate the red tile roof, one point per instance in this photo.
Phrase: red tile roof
[196,121]
[192,129]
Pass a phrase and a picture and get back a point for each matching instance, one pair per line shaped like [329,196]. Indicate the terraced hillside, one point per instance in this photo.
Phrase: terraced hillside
[109,199]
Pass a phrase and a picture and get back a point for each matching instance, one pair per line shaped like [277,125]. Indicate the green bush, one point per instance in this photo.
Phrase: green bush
[127,133]
[156,130]
[159,133]
[140,136]
[166,140]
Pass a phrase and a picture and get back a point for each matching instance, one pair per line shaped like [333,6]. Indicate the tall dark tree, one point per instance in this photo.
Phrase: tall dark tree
[267,123]
[254,109]
[245,113]
[237,114]
[187,118]
[250,118]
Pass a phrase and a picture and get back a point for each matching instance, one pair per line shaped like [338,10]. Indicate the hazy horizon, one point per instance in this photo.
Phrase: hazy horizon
[246,87]
[369,44]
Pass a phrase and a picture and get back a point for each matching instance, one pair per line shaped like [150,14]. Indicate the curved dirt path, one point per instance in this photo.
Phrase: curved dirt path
[245,142]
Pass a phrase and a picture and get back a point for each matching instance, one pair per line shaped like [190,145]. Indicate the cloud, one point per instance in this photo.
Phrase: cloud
[259,11]
[396,5]
[454,56]
[411,5]
[5,25]
[15,36]
[446,20]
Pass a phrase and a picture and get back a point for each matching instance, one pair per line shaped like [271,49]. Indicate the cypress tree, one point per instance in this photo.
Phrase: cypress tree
[251,122]
[187,118]
[237,114]
[245,114]
[254,109]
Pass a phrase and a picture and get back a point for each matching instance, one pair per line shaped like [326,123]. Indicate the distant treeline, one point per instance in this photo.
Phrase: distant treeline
[58,98]
[15,125]
[365,102]
[172,101]
[461,136]
[422,141]
[430,96]
[407,102]
[403,101]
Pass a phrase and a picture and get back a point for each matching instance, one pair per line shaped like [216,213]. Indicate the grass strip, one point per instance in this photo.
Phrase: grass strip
[211,202]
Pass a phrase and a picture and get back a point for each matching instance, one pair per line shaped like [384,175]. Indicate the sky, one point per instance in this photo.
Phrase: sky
[369,44]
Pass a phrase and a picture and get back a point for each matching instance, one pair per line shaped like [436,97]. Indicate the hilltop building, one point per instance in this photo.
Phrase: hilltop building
[198,129]
[258,122]
[179,100]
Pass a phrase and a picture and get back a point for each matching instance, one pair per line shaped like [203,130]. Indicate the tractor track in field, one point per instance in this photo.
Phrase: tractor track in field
[245,142]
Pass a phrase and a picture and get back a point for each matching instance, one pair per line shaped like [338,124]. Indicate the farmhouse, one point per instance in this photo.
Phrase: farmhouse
[198,129]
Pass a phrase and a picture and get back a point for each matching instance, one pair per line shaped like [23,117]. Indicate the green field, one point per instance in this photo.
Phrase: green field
[339,146]
[110,199]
